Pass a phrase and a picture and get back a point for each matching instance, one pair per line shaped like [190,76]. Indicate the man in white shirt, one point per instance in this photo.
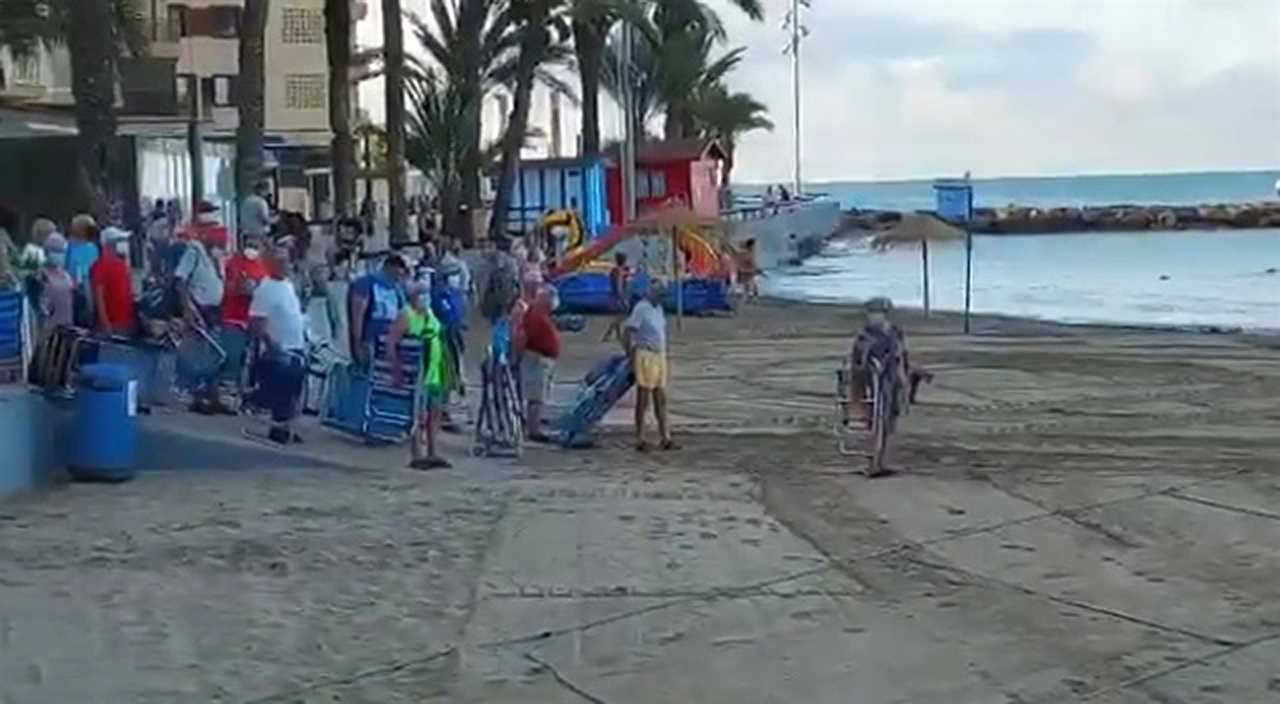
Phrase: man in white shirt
[255,213]
[645,339]
[275,318]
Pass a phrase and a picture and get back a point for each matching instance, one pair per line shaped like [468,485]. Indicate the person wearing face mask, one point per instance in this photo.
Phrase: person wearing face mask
[275,318]
[112,285]
[56,287]
[417,321]
[245,269]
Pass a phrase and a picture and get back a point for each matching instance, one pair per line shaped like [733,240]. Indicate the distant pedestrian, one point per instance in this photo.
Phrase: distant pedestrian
[56,287]
[82,252]
[245,270]
[275,318]
[416,321]
[645,339]
[256,217]
[374,304]
[113,285]
[749,271]
[538,347]
[619,296]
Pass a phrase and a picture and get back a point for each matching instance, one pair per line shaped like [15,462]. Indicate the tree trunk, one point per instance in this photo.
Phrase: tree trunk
[532,48]
[93,49]
[393,43]
[337,17]
[253,59]
[588,44]
[470,33]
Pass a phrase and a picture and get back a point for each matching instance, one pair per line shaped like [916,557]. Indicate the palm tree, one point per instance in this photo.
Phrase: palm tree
[541,26]
[668,72]
[441,132]
[393,45]
[95,33]
[253,29]
[337,26]
[473,47]
[725,116]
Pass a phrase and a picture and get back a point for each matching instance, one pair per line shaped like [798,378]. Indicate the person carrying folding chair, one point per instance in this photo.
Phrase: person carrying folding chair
[198,279]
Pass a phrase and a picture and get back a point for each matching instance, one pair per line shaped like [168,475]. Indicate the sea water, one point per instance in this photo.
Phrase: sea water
[1150,278]
[1188,278]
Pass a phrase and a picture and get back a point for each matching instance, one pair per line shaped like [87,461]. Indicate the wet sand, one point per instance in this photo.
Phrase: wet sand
[1081,514]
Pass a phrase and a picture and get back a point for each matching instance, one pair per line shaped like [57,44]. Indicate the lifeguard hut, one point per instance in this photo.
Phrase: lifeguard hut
[672,173]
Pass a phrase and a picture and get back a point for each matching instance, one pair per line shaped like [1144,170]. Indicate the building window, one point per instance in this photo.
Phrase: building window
[224,90]
[185,93]
[26,69]
[651,184]
[175,23]
[302,25]
[223,22]
[304,91]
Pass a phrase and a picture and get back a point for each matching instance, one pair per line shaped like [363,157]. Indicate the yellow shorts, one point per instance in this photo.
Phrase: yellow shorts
[651,370]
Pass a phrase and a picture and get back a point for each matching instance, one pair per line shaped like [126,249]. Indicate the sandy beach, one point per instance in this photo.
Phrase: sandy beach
[1081,514]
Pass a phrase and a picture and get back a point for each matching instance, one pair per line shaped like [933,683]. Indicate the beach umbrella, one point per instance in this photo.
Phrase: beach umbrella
[919,229]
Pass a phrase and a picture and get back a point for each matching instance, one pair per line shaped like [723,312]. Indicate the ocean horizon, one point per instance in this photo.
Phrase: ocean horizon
[1178,188]
[1160,278]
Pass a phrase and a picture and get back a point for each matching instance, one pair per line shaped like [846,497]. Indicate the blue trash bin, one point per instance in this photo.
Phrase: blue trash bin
[104,433]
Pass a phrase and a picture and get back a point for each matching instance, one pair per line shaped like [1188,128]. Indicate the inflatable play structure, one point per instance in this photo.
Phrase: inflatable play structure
[673,243]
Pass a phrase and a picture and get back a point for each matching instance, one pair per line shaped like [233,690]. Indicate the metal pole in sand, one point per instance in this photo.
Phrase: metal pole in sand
[924,265]
[677,270]
[968,275]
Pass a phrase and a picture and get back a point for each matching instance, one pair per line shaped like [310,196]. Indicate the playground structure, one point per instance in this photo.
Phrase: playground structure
[674,243]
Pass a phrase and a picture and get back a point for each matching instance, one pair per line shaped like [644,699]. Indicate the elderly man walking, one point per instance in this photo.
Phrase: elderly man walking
[645,339]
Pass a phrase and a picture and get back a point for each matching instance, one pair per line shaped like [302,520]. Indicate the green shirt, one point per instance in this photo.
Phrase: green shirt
[426,327]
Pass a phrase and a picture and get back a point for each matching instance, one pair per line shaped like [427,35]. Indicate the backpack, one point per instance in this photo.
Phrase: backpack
[501,290]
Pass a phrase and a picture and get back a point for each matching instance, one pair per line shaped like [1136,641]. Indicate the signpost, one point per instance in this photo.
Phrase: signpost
[955,204]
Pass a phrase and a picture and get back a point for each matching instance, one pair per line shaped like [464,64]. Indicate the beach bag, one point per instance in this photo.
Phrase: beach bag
[501,290]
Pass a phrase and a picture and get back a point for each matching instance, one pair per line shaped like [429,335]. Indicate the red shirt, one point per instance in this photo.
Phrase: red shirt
[110,273]
[540,333]
[235,302]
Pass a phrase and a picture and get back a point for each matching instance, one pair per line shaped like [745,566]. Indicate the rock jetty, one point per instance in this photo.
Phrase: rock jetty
[1018,220]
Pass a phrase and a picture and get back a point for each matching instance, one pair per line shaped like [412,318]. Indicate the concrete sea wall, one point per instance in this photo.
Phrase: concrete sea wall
[1119,218]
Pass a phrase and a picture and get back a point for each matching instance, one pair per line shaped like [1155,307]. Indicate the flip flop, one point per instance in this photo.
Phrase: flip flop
[420,464]
[642,447]
[668,445]
[439,463]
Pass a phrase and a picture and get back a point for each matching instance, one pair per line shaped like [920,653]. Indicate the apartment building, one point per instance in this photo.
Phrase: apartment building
[202,37]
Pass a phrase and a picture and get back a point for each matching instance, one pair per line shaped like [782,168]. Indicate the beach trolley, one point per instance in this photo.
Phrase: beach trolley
[500,420]
[601,390]
[366,404]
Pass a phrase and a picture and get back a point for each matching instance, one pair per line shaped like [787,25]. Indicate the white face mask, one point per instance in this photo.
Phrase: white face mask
[55,260]
[122,248]
[251,253]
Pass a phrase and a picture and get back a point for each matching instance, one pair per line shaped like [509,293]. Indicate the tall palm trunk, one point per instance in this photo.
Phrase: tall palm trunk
[588,45]
[93,47]
[471,20]
[253,59]
[393,43]
[337,19]
[533,46]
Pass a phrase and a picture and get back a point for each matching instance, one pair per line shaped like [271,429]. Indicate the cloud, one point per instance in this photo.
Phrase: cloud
[922,88]
[1010,89]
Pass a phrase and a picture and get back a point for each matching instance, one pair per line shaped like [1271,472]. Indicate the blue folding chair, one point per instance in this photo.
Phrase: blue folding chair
[365,403]
[11,337]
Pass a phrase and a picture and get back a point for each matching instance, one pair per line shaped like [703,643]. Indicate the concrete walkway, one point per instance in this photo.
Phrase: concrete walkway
[1081,516]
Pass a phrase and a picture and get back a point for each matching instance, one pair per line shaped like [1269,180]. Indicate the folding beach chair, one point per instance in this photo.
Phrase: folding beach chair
[366,403]
[11,336]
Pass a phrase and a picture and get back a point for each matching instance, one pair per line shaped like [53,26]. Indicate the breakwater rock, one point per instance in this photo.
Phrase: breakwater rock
[1017,220]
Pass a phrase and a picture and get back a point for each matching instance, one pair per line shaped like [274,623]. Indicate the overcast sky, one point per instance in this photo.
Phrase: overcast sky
[925,88]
